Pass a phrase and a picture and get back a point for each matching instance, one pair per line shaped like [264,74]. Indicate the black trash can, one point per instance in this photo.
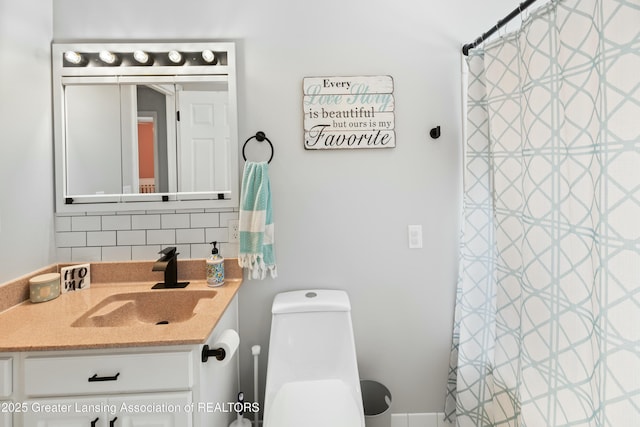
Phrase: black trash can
[376,399]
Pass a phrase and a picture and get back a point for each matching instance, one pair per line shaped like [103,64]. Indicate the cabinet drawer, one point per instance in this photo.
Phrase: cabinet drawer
[112,373]
[6,377]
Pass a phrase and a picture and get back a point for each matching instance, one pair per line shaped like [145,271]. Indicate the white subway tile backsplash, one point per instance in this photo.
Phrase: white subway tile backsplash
[63,223]
[217,234]
[200,250]
[71,239]
[132,237]
[116,253]
[69,214]
[101,238]
[116,222]
[143,253]
[189,211]
[161,237]
[138,235]
[229,250]
[63,254]
[190,235]
[145,222]
[225,217]
[205,220]
[175,221]
[184,251]
[105,213]
[85,223]
[86,254]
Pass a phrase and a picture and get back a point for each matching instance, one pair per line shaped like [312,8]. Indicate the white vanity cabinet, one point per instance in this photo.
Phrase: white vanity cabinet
[6,391]
[111,379]
[161,409]
[163,386]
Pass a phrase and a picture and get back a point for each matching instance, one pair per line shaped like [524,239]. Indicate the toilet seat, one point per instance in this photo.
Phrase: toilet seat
[318,403]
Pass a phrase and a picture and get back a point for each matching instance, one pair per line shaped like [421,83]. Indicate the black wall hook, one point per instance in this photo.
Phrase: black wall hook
[435,132]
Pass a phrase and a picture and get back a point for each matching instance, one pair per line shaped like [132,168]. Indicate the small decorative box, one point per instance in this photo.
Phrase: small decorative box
[44,287]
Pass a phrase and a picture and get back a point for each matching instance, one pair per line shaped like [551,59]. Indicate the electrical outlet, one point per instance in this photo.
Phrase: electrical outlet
[234,230]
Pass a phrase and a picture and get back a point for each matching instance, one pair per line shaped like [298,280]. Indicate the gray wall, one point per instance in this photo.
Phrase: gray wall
[26,155]
[341,216]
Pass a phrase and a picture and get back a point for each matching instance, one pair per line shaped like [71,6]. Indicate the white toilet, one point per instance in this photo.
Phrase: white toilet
[312,373]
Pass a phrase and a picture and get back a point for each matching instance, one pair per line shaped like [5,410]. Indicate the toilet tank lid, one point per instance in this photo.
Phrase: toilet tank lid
[311,301]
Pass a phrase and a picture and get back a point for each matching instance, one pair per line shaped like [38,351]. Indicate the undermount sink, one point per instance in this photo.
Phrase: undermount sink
[146,308]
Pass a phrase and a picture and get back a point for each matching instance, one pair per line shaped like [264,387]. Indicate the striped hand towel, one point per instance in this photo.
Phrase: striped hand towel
[256,222]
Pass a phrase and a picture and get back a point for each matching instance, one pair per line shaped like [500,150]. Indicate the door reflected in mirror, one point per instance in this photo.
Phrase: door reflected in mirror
[147,138]
[203,138]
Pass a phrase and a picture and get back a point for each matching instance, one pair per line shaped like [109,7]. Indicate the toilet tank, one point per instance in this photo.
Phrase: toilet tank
[311,338]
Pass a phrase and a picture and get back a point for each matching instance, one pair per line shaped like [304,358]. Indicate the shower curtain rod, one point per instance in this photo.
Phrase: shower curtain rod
[501,23]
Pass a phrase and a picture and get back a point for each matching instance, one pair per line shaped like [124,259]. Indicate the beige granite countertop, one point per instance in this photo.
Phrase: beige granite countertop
[28,326]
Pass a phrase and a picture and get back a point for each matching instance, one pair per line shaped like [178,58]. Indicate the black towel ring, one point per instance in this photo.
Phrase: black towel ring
[259,136]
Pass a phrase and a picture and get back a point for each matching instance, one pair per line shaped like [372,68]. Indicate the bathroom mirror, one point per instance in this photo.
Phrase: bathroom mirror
[137,129]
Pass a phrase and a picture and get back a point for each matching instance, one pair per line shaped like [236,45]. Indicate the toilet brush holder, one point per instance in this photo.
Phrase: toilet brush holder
[240,421]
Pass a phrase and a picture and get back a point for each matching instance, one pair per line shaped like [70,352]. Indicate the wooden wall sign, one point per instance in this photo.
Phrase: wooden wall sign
[348,112]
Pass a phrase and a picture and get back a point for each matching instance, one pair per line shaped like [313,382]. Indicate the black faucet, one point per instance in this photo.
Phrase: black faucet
[168,263]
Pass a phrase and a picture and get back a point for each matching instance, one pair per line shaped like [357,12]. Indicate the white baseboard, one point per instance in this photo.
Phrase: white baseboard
[434,419]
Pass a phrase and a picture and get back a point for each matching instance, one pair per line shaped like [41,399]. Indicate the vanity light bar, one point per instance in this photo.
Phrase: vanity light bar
[142,58]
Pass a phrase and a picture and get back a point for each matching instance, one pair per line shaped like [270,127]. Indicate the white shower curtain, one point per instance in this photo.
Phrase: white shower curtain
[547,328]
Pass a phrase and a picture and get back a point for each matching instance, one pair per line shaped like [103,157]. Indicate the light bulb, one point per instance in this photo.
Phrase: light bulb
[208,56]
[107,57]
[141,56]
[73,57]
[175,56]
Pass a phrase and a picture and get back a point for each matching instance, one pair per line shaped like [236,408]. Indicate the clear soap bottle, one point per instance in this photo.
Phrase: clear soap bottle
[215,268]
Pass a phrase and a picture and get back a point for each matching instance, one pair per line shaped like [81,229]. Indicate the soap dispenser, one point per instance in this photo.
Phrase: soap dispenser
[215,268]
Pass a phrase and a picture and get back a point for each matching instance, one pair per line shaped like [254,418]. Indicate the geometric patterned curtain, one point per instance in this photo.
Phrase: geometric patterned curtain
[547,328]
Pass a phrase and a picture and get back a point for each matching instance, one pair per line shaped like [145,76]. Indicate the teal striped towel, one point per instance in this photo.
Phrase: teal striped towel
[256,222]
